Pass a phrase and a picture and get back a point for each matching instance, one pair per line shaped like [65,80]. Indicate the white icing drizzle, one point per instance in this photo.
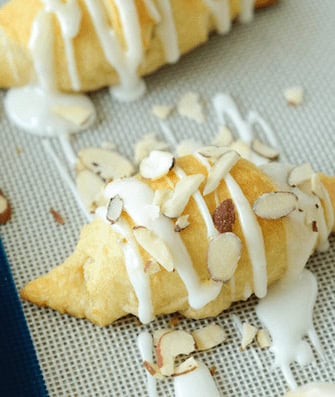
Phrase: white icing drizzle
[197,383]
[220,10]
[138,198]
[154,13]
[31,107]
[202,206]
[287,313]
[69,17]
[247,11]
[125,62]
[314,390]
[253,236]
[134,265]
[167,32]
[224,106]
[145,343]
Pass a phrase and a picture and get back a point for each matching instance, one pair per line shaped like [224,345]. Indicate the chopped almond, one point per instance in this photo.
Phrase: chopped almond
[263,338]
[190,106]
[300,174]
[208,337]
[294,95]
[171,345]
[154,246]
[189,365]
[162,111]
[156,165]
[248,335]
[114,209]
[181,223]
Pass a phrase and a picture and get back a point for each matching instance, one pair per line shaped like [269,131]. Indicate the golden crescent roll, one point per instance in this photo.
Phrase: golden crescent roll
[261,229]
[189,22]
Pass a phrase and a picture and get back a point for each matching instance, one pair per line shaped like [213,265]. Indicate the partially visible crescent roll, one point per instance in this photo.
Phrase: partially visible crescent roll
[192,18]
[93,282]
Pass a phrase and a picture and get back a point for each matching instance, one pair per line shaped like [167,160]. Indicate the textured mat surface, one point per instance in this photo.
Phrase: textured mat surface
[288,44]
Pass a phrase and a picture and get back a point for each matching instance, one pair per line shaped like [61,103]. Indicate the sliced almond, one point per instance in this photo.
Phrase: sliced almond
[90,188]
[189,106]
[224,137]
[151,267]
[57,216]
[156,165]
[108,145]
[154,246]
[152,369]
[219,170]
[263,338]
[300,174]
[248,335]
[212,151]
[114,209]
[182,192]
[171,345]
[294,95]
[181,223]
[275,205]
[242,148]
[158,333]
[189,365]
[208,337]
[77,115]
[162,111]
[224,216]
[147,144]
[224,252]
[105,163]
[317,186]
[264,150]
[5,209]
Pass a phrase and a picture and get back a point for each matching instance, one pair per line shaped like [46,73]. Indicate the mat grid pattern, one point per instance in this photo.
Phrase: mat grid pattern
[288,44]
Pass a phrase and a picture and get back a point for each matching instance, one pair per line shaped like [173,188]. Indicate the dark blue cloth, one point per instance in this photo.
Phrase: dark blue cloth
[20,374]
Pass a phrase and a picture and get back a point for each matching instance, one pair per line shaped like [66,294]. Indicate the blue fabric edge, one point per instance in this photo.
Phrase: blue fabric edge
[20,373]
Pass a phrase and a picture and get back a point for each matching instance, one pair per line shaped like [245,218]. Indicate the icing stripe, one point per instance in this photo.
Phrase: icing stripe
[125,62]
[253,236]
[145,345]
[220,10]
[202,206]
[167,32]
[135,269]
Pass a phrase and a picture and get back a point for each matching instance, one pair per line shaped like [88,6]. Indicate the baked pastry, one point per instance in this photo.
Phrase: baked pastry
[90,44]
[246,227]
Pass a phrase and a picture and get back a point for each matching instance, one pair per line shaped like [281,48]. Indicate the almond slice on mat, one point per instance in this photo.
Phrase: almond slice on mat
[171,345]
[275,205]
[263,338]
[156,247]
[162,111]
[156,165]
[224,252]
[264,150]
[300,174]
[5,209]
[190,107]
[294,95]
[181,195]
[220,169]
[147,144]
[90,188]
[212,151]
[107,164]
[187,366]
[208,337]
[77,115]
[248,335]
[224,137]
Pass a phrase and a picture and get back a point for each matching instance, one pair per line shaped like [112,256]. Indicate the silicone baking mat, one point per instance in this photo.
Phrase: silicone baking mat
[291,43]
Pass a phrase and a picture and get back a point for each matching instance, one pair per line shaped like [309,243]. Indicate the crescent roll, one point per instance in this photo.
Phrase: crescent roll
[98,43]
[191,236]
